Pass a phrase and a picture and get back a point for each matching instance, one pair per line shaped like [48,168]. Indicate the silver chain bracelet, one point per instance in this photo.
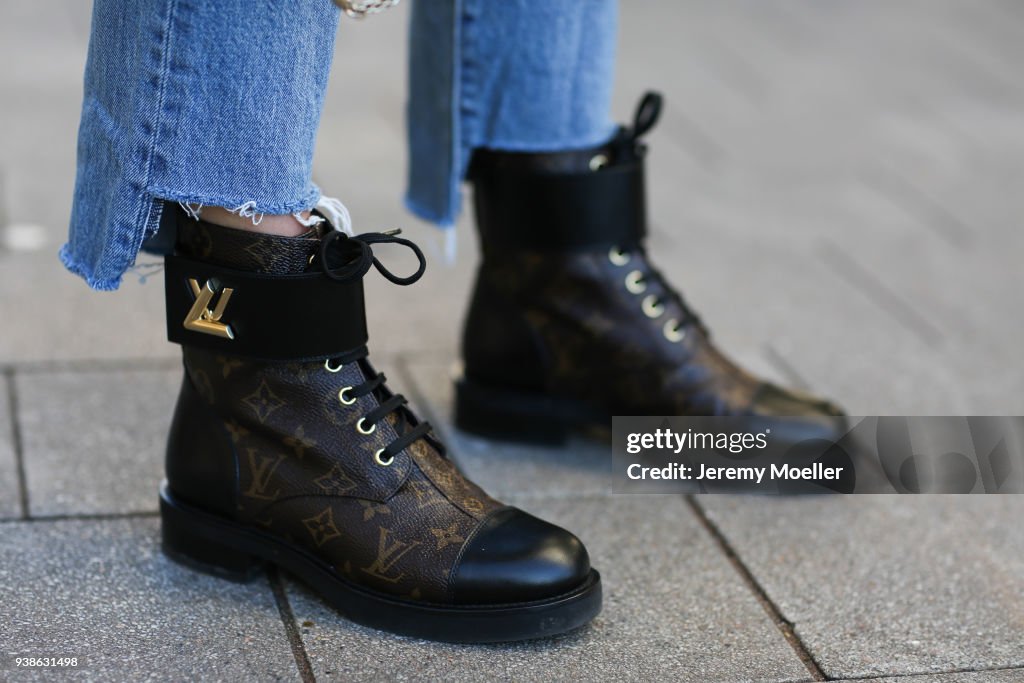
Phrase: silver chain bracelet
[358,9]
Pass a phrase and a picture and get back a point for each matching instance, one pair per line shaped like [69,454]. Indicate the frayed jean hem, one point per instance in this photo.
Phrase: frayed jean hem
[307,202]
[154,199]
[99,284]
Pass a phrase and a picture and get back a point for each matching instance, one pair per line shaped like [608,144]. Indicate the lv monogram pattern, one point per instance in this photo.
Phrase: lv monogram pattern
[306,474]
[602,348]
[241,249]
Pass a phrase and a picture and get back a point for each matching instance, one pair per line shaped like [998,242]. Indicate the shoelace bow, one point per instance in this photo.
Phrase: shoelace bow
[356,257]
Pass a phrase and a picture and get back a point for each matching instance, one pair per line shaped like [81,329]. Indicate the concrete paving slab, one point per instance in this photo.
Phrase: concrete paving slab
[809,92]
[37,168]
[885,585]
[10,493]
[42,101]
[674,610]
[94,441]
[966,295]
[102,591]
[1004,676]
[914,181]
[70,322]
[756,292]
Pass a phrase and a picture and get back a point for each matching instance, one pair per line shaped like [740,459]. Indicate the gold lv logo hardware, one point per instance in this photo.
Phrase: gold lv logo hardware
[388,553]
[200,318]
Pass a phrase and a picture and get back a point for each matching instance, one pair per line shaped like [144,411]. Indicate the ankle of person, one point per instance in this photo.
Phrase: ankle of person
[287,225]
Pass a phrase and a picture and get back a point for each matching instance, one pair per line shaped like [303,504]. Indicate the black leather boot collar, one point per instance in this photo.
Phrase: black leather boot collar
[576,199]
[242,249]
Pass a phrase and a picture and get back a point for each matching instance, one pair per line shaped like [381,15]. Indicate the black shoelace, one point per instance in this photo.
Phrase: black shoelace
[345,258]
[647,113]
[355,254]
[651,274]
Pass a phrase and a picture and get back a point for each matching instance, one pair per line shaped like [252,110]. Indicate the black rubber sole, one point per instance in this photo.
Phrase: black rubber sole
[238,552]
[511,415]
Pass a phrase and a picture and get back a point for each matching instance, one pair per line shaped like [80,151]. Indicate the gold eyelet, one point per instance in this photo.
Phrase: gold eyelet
[598,161]
[618,257]
[365,432]
[651,307]
[672,331]
[345,401]
[635,282]
[328,368]
[380,461]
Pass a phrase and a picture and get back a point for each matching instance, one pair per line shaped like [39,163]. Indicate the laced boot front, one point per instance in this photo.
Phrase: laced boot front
[570,323]
[288,447]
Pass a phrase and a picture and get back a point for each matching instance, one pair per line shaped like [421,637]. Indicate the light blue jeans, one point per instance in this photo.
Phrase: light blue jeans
[218,103]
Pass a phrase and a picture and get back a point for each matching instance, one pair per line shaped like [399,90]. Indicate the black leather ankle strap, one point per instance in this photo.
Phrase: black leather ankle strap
[557,211]
[300,317]
[522,202]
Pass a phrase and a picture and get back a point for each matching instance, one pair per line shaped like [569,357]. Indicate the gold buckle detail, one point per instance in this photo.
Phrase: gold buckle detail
[200,318]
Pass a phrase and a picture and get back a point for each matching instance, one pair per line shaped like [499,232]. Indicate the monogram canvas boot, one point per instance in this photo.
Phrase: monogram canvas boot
[570,323]
[288,448]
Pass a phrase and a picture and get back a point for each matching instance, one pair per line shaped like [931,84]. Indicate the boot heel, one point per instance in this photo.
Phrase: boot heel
[187,541]
[511,415]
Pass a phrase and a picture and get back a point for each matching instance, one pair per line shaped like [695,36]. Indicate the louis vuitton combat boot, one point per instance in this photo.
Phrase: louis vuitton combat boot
[570,323]
[288,448]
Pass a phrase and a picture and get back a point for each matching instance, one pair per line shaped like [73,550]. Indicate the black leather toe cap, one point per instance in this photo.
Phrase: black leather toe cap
[515,557]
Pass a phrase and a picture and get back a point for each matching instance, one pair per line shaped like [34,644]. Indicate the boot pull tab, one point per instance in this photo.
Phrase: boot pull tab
[647,113]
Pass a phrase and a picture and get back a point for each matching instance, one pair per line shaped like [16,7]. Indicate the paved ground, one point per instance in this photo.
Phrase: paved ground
[836,185]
